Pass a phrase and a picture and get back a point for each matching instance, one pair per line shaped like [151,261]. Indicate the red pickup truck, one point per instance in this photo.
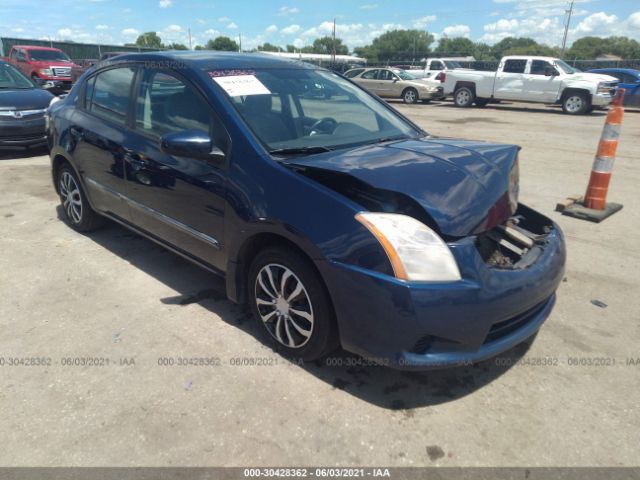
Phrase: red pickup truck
[48,67]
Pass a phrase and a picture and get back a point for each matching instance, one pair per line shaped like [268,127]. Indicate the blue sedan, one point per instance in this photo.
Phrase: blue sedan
[334,218]
[629,80]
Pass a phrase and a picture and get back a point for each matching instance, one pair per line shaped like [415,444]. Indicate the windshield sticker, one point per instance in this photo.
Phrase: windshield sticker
[229,72]
[241,85]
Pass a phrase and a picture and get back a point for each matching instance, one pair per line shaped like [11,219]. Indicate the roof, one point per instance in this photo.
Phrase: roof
[36,47]
[318,57]
[532,57]
[209,59]
[629,71]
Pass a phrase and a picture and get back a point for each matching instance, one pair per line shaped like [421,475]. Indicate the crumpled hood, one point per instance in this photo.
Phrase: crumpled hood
[592,77]
[28,99]
[463,185]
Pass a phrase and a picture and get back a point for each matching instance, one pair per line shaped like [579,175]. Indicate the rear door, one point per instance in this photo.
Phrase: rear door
[386,84]
[369,80]
[539,85]
[176,198]
[99,129]
[509,81]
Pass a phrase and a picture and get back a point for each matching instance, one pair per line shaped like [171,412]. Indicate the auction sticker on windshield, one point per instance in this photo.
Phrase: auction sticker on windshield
[239,85]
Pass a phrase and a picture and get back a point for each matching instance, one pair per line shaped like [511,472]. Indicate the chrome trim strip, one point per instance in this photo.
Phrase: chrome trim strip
[159,216]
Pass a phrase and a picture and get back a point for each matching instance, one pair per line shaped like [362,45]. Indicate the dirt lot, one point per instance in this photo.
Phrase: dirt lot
[572,399]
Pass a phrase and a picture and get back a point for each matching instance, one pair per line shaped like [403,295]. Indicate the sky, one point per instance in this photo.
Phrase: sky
[358,22]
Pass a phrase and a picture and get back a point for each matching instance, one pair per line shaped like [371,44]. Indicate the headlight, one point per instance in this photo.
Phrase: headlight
[415,251]
[514,187]
[46,71]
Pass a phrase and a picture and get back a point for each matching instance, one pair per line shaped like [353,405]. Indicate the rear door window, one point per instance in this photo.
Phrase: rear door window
[110,94]
[514,66]
[370,75]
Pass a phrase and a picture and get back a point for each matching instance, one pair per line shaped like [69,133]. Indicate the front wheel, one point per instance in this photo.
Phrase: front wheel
[576,104]
[288,299]
[463,97]
[410,95]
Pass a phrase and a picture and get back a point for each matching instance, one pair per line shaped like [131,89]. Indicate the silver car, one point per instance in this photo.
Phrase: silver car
[396,83]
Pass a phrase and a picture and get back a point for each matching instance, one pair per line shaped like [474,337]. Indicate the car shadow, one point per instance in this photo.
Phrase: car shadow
[16,153]
[549,110]
[378,385]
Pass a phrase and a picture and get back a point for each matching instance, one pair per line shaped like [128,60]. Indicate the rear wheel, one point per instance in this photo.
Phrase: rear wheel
[289,300]
[77,211]
[463,97]
[410,95]
[576,103]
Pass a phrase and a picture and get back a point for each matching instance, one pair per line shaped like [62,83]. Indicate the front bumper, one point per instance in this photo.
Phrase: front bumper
[26,132]
[431,94]
[412,325]
[601,99]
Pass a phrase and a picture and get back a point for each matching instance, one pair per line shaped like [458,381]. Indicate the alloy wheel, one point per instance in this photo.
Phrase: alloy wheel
[410,96]
[574,103]
[284,305]
[463,97]
[71,198]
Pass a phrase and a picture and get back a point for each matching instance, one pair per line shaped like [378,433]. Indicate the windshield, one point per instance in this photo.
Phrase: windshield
[48,55]
[11,78]
[566,68]
[452,64]
[306,111]
[404,75]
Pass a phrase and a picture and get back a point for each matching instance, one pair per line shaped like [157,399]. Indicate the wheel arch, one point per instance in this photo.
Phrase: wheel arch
[469,85]
[572,90]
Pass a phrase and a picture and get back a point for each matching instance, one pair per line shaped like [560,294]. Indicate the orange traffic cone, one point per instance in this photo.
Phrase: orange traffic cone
[594,207]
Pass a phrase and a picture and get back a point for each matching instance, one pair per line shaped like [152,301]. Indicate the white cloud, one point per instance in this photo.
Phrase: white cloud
[201,21]
[174,28]
[598,23]
[130,33]
[288,10]
[212,32]
[17,30]
[290,30]
[102,27]
[65,33]
[422,22]
[369,6]
[271,29]
[232,26]
[457,31]
[224,19]
[165,3]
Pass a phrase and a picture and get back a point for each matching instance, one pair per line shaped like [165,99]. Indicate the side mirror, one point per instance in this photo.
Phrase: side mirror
[191,144]
[550,72]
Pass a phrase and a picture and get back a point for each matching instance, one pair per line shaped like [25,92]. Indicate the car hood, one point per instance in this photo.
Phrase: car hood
[30,99]
[592,77]
[462,185]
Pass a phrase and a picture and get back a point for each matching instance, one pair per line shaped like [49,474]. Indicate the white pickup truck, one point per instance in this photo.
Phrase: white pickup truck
[531,79]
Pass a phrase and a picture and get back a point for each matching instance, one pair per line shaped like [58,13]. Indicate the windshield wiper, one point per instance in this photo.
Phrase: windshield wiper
[299,150]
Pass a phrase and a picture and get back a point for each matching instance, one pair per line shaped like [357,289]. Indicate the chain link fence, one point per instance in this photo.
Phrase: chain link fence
[76,51]
[492,65]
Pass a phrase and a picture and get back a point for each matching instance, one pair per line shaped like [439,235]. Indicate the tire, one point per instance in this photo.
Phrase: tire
[481,102]
[307,328]
[576,103]
[77,212]
[463,97]
[410,95]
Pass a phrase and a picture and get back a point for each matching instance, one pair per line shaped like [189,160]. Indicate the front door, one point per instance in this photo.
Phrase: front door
[179,199]
[540,85]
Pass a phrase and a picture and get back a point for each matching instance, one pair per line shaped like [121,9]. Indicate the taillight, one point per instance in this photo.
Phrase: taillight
[442,76]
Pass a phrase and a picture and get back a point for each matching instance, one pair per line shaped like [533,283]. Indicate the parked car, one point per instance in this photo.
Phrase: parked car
[48,67]
[337,220]
[22,108]
[629,80]
[396,83]
[532,79]
[80,67]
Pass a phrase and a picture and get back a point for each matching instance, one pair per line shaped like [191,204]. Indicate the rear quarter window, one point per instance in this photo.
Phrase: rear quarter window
[514,66]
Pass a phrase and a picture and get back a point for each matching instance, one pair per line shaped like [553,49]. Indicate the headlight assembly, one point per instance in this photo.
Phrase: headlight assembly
[415,251]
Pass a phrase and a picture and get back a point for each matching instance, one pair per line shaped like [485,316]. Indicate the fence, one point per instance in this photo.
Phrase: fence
[492,65]
[75,50]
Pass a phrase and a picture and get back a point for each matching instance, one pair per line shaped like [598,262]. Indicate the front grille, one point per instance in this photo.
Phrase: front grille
[61,71]
[504,328]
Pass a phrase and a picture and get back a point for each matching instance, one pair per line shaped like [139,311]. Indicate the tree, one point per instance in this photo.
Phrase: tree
[588,48]
[458,47]
[398,45]
[291,49]
[482,51]
[268,47]
[325,45]
[176,46]
[149,40]
[224,44]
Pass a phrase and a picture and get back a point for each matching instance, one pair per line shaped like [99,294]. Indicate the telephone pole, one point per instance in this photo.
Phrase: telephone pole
[190,39]
[333,50]
[566,28]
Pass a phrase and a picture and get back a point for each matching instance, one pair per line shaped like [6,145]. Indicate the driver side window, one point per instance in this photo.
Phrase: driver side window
[386,75]
[538,67]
